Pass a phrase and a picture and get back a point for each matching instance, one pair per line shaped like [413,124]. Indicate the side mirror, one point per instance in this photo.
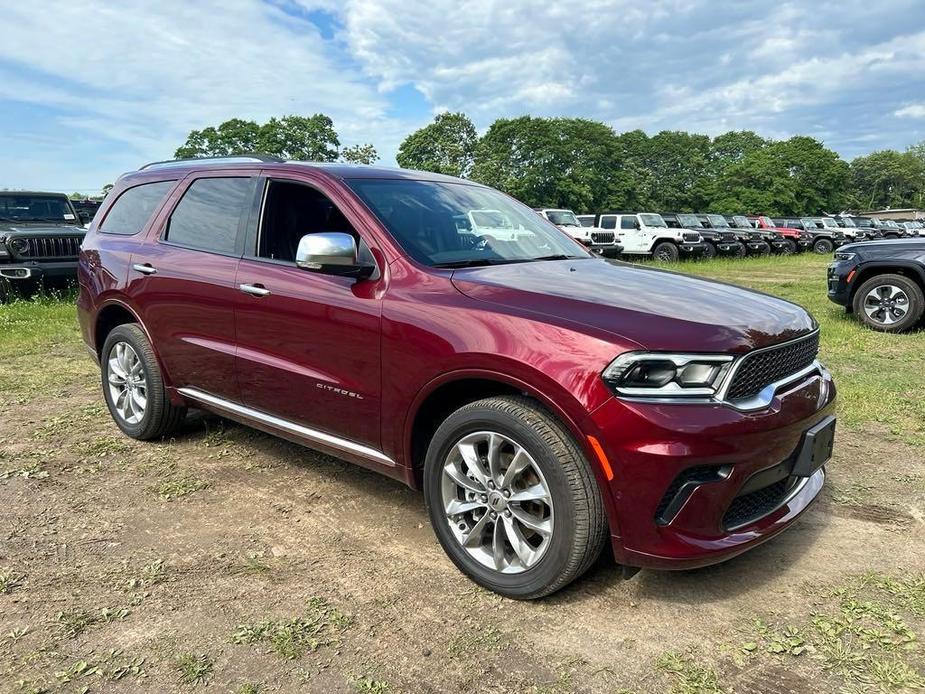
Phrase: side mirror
[636,224]
[332,253]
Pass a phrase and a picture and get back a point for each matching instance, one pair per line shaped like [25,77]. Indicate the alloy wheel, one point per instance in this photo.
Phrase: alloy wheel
[128,384]
[886,304]
[497,502]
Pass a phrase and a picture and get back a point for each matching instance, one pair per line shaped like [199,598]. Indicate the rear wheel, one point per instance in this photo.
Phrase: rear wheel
[666,252]
[512,499]
[823,246]
[889,303]
[134,387]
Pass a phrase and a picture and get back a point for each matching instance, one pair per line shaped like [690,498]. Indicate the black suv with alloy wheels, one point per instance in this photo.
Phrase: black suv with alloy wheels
[881,282]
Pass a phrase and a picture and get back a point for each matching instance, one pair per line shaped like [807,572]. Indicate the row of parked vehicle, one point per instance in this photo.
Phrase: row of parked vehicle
[672,236]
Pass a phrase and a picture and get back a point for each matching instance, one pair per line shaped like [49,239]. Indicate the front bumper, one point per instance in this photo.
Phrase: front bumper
[691,249]
[838,282]
[651,446]
[728,248]
[35,271]
[757,247]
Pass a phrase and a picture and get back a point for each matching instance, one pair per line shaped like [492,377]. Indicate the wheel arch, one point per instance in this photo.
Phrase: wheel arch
[910,270]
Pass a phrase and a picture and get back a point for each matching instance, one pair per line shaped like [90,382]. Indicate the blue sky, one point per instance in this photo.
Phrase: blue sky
[90,89]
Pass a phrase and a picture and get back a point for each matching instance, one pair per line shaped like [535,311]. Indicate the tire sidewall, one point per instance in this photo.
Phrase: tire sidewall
[555,560]
[125,333]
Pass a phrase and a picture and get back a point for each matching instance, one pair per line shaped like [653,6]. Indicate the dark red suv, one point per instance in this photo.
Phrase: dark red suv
[543,398]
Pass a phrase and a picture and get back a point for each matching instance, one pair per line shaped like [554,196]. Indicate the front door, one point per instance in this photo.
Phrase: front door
[308,344]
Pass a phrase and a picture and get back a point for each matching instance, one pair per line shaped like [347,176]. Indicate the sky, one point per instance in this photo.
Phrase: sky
[90,89]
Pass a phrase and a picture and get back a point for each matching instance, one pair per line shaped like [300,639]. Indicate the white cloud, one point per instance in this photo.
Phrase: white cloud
[911,111]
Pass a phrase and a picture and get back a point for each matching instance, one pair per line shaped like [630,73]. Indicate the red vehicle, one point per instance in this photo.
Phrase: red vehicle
[543,398]
[798,238]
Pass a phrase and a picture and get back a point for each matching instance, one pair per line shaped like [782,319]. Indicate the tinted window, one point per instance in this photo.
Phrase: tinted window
[608,222]
[627,222]
[35,208]
[131,212]
[209,214]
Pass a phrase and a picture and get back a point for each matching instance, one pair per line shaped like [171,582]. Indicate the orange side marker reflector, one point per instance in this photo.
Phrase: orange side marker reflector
[605,464]
[850,277]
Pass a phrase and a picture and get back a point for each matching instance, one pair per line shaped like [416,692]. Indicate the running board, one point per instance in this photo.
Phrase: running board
[310,435]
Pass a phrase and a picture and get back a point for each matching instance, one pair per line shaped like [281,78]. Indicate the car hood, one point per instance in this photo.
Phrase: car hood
[656,309]
[44,229]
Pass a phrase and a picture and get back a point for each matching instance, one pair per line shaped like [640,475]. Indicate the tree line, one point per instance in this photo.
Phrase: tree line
[586,166]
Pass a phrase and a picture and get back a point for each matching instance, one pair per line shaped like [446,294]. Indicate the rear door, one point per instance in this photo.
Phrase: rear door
[182,280]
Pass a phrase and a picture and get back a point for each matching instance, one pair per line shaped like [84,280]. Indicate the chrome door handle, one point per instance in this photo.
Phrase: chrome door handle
[144,269]
[254,290]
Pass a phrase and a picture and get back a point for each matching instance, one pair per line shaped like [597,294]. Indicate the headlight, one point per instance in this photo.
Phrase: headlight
[839,255]
[19,246]
[654,375]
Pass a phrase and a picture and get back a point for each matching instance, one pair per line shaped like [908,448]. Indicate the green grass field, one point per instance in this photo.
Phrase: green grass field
[879,376]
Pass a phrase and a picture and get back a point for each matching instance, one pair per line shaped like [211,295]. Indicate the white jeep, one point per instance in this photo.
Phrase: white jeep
[593,237]
[648,234]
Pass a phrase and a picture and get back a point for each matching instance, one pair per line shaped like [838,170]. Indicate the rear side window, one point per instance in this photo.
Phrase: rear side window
[209,215]
[608,222]
[133,209]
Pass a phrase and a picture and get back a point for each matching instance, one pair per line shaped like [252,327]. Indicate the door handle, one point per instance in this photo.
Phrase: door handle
[254,289]
[144,269]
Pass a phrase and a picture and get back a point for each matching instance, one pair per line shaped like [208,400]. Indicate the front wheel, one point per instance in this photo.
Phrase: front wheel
[889,303]
[790,247]
[709,251]
[823,246]
[666,252]
[512,498]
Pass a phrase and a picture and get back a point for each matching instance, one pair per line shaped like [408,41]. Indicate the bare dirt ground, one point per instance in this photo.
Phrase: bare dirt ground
[227,560]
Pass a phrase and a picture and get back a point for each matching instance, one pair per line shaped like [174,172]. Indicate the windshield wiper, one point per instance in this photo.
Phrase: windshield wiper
[557,257]
[471,262]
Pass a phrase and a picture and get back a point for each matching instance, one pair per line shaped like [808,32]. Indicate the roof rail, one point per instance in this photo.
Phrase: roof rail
[248,157]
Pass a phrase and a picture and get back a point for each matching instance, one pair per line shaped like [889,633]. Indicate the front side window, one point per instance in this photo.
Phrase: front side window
[209,215]
[133,209]
[424,217]
[627,222]
[36,208]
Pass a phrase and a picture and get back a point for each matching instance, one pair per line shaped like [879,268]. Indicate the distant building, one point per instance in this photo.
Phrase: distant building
[897,213]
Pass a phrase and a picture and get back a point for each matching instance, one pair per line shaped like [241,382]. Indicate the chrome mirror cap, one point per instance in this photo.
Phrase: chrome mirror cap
[327,248]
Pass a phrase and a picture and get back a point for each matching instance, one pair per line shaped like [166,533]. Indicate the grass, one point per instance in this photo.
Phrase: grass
[169,490]
[9,580]
[194,669]
[292,638]
[689,676]
[878,375]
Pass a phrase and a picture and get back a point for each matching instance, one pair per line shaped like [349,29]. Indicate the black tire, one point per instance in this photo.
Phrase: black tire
[764,251]
[161,417]
[823,246]
[666,252]
[913,307]
[709,250]
[790,247]
[580,528]
[740,251]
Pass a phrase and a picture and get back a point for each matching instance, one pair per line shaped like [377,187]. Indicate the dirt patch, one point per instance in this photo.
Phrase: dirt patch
[226,558]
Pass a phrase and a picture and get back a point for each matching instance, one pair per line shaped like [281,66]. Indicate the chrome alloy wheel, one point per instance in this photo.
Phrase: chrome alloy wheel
[128,385]
[886,304]
[497,502]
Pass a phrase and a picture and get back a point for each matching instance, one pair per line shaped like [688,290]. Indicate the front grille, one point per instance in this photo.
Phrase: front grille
[691,236]
[768,366]
[54,247]
[683,486]
[602,236]
[750,507]
[728,236]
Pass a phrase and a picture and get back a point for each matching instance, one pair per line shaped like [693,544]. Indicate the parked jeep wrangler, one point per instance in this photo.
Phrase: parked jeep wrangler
[547,402]
[647,233]
[824,241]
[779,244]
[754,243]
[715,242]
[601,241]
[40,236]
[799,240]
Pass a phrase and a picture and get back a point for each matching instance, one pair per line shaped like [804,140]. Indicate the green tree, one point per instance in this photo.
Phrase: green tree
[304,138]
[888,179]
[821,178]
[759,183]
[359,154]
[734,146]
[445,146]
[559,162]
[678,162]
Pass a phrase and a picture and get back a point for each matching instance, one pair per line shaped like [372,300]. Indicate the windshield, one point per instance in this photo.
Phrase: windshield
[767,221]
[717,221]
[829,223]
[565,218]
[848,222]
[653,220]
[586,220]
[689,221]
[35,208]
[741,222]
[808,223]
[890,223]
[424,218]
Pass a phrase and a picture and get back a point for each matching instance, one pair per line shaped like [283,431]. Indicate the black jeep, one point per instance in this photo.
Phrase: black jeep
[755,243]
[715,241]
[778,243]
[40,236]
